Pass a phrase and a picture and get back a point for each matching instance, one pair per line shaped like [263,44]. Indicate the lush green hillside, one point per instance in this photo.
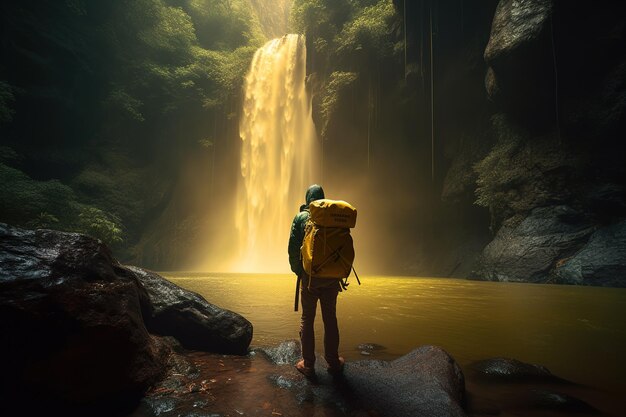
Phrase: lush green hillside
[101,102]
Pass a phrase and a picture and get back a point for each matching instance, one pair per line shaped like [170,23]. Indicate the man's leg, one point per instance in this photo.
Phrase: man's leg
[307,332]
[328,302]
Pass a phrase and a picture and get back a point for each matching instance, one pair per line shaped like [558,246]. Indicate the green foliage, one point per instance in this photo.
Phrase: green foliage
[8,155]
[320,18]
[6,99]
[346,30]
[179,57]
[205,143]
[51,204]
[224,24]
[101,225]
[338,83]
[497,175]
[93,182]
[76,6]
[24,199]
[116,185]
[518,174]
[353,44]
[368,31]
[122,102]
[114,96]
[43,221]
[171,35]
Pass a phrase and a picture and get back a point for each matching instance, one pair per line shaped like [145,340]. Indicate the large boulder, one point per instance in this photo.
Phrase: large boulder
[602,261]
[516,24]
[172,311]
[76,324]
[519,55]
[508,369]
[72,327]
[529,250]
[424,382]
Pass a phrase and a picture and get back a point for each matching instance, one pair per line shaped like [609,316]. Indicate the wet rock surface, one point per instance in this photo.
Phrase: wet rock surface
[516,23]
[512,370]
[505,386]
[194,322]
[286,353]
[552,400]
[528,251]
[425,382]
[76,325]
[72,328]
[562,127]
[518,53]
[602,261]
[368,349]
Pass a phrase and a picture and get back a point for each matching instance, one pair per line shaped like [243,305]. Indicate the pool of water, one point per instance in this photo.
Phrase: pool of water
[578,333]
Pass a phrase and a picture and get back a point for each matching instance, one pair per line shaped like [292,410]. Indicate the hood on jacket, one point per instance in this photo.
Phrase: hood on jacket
[314,192]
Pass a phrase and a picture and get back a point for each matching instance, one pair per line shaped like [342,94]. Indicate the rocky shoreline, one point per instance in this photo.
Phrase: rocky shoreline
[84,335]
[80,331]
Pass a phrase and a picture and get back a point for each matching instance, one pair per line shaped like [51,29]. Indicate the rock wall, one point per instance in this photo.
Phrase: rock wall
[555,178]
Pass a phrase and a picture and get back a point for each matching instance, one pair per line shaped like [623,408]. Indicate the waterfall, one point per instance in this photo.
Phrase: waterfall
[278,153]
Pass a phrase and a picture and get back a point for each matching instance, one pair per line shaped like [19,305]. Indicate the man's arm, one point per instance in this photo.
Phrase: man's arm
[295,242]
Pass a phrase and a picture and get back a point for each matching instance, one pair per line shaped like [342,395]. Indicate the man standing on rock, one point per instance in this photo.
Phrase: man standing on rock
[324,290]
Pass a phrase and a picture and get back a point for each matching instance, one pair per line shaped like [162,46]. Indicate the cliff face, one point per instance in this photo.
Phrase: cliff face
[554,180]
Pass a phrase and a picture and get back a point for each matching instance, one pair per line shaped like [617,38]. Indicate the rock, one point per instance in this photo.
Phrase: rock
[519,56]
[601,262]
[491,85]
[197,324]
[528,251]
[561,402]
[607,201]
[424,382]
[370,347]
[367,349]
[72,326]
[512,370]
[515,25]
[286,353]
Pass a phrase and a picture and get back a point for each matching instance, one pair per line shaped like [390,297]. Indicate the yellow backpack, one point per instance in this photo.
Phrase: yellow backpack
[327,249]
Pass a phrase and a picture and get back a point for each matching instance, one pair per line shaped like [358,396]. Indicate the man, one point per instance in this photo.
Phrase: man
[324,290]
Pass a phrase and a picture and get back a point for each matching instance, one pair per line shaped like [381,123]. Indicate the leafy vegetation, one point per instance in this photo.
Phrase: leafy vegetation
[102,102]
[518,174]
[99,224]
[6,99]
[338,82]
[347,31]
[352,43]
[51,204]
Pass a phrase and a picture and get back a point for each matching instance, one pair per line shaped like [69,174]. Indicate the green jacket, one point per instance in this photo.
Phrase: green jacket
[315,192]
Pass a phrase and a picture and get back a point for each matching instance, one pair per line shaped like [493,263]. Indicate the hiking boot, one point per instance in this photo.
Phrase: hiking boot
[336,369]
[307,371]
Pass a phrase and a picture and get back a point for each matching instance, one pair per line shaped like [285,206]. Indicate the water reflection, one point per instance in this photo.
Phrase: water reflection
[576,332]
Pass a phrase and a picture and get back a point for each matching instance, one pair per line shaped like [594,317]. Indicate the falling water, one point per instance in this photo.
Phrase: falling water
[278,153]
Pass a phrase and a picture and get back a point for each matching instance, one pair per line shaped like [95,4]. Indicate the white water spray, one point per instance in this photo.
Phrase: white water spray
[278,153]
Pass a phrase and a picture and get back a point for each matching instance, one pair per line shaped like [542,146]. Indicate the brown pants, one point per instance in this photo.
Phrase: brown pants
[327,296]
